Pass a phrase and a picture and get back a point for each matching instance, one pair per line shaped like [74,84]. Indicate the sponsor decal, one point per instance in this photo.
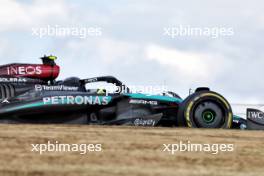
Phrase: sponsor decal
[24,70]
[255,114]
[16,80]
[93,117]
[78,100]
[138,101]
[255,119]
[144,122]
[55,88]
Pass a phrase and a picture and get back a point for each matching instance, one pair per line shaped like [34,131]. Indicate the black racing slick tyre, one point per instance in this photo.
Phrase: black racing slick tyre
[205,109]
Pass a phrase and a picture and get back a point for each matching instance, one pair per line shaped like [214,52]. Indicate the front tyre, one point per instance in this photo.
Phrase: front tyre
[205,109]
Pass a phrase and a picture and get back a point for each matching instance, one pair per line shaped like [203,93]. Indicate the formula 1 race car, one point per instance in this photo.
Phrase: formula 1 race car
[29,93]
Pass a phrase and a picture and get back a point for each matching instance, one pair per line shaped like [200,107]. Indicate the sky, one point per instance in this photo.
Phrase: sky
[134,47]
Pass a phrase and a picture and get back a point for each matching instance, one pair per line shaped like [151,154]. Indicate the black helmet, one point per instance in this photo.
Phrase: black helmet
[49,60]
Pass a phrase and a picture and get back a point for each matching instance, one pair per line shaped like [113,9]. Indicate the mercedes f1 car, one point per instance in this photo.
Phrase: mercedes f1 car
[30,93]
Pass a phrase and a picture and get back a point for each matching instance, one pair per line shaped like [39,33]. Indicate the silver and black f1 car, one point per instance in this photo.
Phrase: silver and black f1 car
[29,93]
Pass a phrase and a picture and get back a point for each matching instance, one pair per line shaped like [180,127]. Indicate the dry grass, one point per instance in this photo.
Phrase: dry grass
[127,151]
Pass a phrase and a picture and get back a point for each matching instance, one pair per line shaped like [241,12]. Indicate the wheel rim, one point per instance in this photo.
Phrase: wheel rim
[208,116]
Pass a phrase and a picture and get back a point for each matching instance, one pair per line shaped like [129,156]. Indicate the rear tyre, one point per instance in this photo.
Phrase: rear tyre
[205,109]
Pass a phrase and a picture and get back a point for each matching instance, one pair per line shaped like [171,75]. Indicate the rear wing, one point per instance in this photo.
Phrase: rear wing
[47,71]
